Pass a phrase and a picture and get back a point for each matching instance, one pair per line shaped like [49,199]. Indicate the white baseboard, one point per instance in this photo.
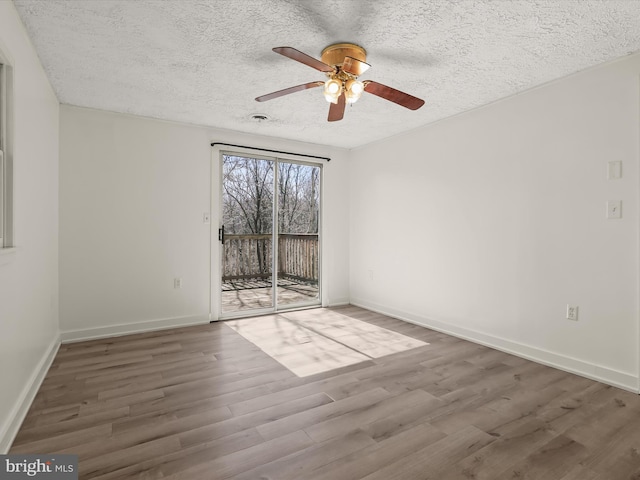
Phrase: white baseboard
[21,408]
[70,336]
[338,302]
[599,373]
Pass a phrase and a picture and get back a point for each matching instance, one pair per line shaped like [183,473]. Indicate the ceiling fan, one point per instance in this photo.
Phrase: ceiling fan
[343,63]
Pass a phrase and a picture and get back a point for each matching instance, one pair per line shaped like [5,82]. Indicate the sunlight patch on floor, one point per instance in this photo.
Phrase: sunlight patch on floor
[314,341]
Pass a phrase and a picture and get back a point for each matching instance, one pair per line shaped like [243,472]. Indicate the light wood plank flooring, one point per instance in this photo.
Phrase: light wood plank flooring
[309,342]
[205,403]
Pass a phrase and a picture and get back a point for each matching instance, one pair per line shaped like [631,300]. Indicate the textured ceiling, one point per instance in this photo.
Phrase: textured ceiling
[204,62]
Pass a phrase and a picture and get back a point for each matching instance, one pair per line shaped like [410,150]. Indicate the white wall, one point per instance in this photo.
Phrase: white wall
[487,224]
[29,275]
[132,195]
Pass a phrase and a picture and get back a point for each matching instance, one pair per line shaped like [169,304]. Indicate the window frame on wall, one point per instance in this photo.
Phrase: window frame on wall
[6,153]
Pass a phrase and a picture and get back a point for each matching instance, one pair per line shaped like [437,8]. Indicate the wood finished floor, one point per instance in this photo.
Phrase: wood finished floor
[204,403]
[310,342]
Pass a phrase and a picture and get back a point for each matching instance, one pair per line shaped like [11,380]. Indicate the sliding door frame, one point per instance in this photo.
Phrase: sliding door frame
[217,250]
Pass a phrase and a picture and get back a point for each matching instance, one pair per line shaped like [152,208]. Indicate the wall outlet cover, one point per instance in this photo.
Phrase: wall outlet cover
[614,209]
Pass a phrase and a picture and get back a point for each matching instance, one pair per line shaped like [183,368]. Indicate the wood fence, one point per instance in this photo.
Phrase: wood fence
[250,257]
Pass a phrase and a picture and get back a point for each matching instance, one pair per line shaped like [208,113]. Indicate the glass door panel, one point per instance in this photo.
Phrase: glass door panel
[298,239]
[247,243]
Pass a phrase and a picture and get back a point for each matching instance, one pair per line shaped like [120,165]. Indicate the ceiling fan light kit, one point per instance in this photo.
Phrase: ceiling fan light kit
[353,90]
[343,63]
[332,90]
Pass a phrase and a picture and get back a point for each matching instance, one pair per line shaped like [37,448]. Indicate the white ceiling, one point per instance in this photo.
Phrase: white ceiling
[204,61]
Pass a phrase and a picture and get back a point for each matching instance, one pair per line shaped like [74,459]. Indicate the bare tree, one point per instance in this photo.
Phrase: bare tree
[248,196]
[298,198]
[248,192]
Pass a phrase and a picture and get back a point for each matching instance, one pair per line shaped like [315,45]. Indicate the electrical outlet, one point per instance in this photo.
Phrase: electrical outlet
[177,282]
[572,312]
[614,209]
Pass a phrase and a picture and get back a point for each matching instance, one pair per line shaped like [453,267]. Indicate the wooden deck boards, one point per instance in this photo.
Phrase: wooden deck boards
[204,403]
[255,296]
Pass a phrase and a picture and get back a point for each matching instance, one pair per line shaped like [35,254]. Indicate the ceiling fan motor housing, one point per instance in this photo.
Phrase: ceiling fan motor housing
[334,54]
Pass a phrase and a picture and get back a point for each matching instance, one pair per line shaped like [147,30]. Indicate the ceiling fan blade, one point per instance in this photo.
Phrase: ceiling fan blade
[393,95]
[354,66]
[289,90]
[336,110]
[298,56]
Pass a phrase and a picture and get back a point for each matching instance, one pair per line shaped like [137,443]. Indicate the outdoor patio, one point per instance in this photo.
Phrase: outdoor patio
[247,276]
[241,295]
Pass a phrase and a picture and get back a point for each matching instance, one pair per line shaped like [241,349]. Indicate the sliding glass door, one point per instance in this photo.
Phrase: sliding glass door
[270,235]
[298,233]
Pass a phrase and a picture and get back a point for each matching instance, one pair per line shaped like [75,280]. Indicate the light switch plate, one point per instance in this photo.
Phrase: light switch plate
[614,170]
